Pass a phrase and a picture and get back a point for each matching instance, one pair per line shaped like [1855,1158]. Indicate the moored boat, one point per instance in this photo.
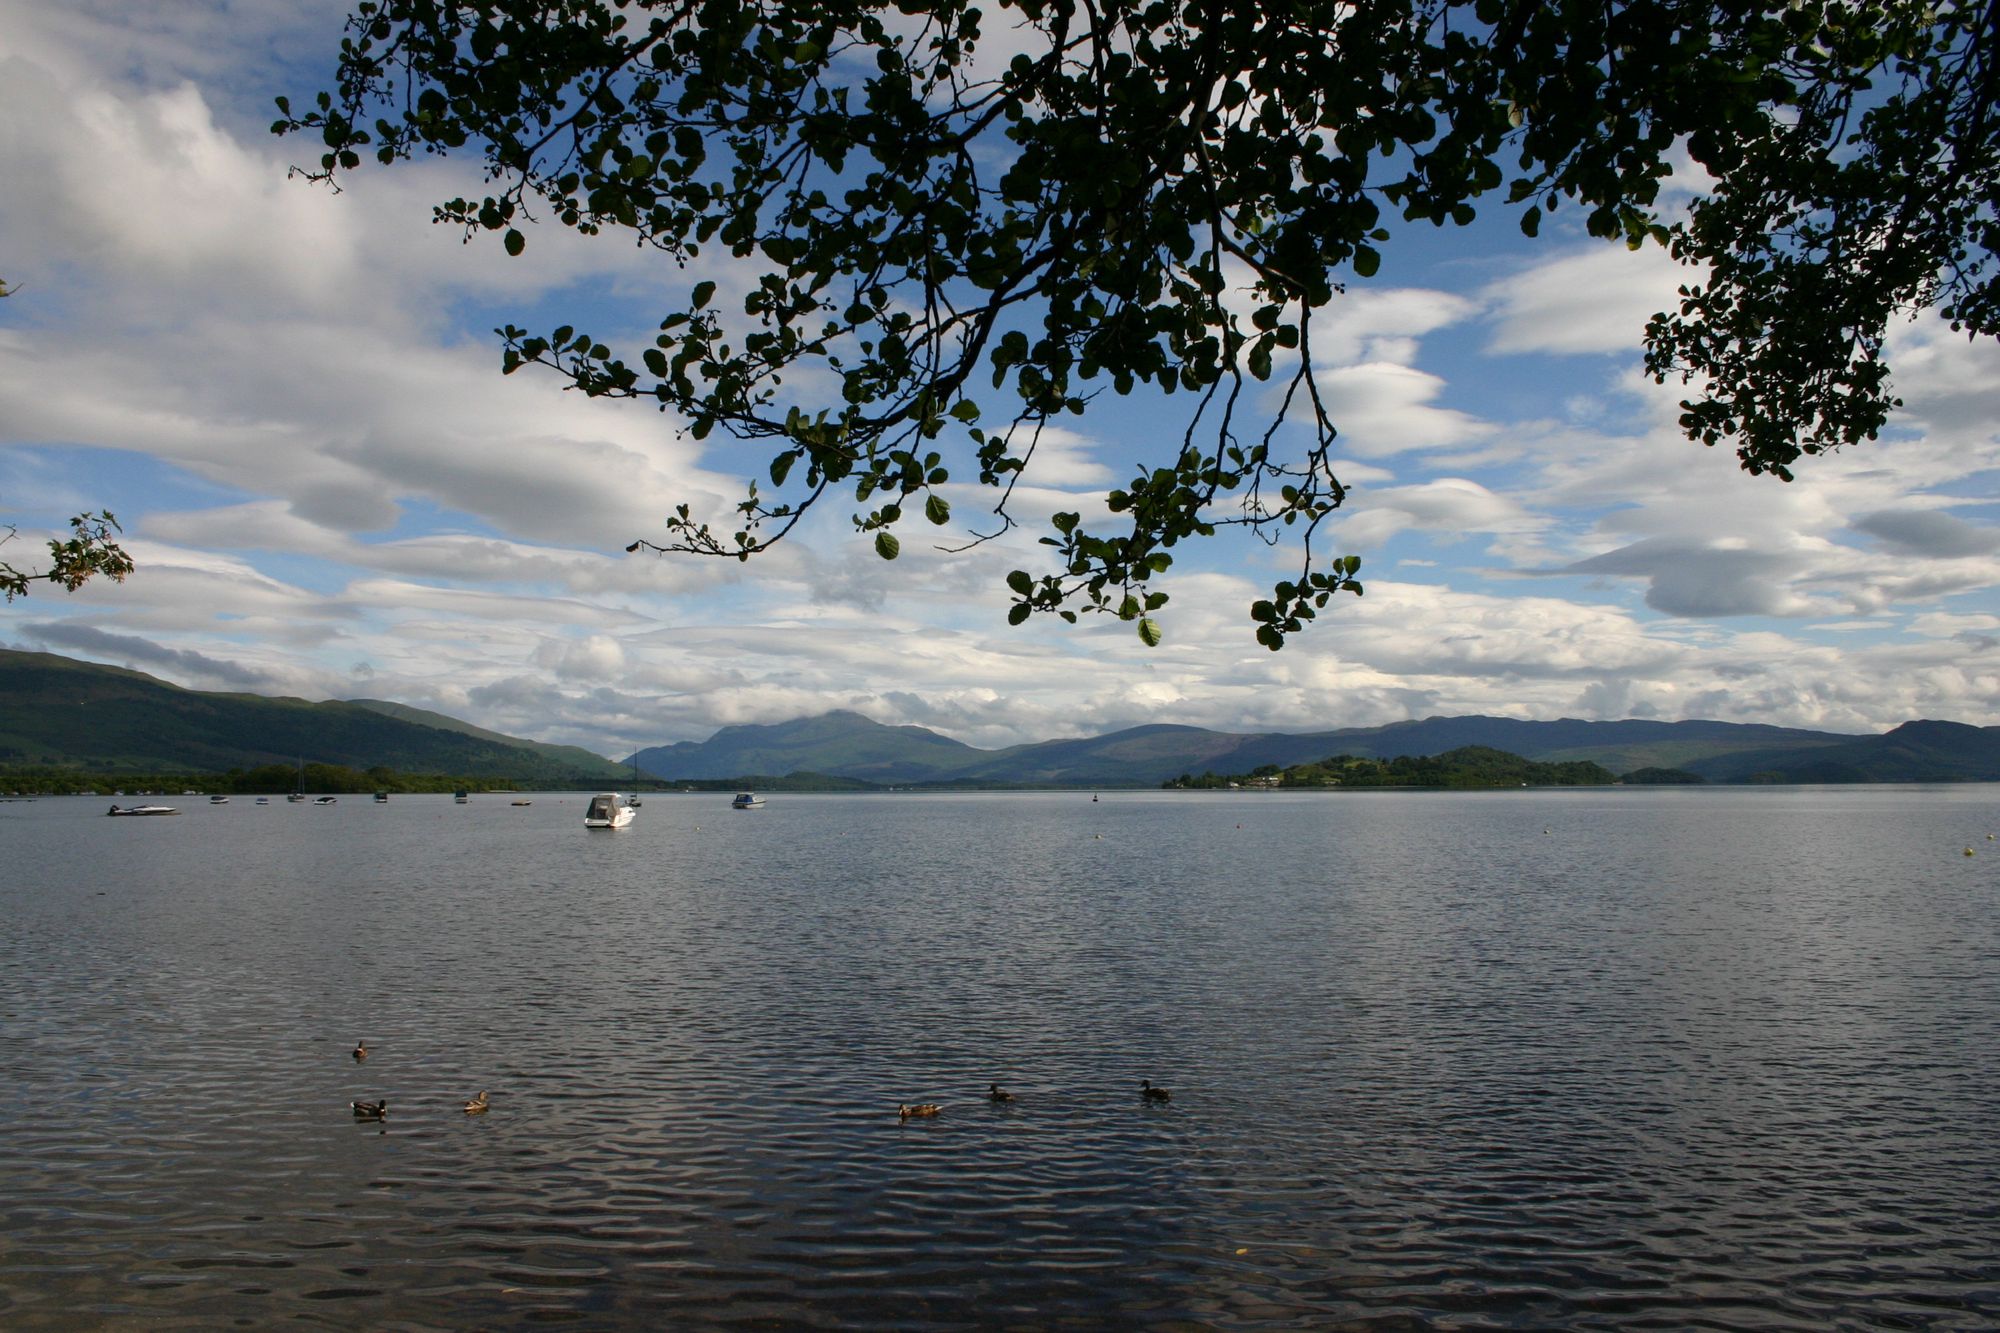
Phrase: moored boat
[142,810]
[326,800]
[607,811]
[746,800]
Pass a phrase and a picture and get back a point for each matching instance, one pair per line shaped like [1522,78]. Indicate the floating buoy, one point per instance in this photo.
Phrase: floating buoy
[1968,851]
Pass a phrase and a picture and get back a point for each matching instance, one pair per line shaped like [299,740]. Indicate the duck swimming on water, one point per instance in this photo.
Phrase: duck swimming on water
[921,1109]
[1153,1094]
[477,1106]
[361,1049]
[370,1110]
[993,1094]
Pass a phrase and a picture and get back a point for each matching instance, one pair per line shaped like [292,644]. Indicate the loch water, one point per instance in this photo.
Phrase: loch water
[1612,1059]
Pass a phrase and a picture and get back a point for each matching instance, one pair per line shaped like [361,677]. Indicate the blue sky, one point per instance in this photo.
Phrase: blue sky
[292,400]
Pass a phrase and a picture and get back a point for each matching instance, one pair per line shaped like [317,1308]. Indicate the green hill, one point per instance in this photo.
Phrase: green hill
[59,713]
[568,758]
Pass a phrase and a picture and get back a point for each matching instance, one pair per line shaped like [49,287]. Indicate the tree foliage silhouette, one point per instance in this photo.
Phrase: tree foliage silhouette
[971,219]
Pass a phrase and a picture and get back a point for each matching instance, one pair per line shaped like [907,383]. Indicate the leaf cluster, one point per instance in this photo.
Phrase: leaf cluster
[90,550]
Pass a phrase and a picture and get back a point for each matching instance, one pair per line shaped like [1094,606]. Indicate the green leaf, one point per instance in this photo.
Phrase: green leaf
[1017,613]
[887,546]
[937,510]
[514,241]
[1020,582]
[1149,633]
[704,292]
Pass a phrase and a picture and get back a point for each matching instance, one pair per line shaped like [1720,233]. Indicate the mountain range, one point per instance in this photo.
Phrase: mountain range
[59,712]
[848,745]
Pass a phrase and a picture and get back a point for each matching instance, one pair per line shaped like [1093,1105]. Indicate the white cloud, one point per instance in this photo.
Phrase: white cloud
[1382,408]
[1594,300]
[1451,506]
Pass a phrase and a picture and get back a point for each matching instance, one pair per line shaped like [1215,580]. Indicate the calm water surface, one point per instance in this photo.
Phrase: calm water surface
[1621,1059]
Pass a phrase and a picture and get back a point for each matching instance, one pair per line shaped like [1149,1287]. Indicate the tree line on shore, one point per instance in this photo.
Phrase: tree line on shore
[267,779]
[1469,766]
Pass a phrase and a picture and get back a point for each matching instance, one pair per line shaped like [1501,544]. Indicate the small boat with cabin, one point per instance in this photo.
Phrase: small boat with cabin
[142,810]
[607,811]
[746,800]
[326,800]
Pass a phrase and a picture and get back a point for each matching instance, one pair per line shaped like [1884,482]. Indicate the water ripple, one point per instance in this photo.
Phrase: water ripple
[1688,1060]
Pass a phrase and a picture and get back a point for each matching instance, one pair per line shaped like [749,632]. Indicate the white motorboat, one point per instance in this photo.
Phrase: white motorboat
[607,811]
[142,810]
[325,800]
[746,800]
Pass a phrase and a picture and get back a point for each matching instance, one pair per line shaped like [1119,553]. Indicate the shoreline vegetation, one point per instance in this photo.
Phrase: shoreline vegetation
[267,780]
[1468,768]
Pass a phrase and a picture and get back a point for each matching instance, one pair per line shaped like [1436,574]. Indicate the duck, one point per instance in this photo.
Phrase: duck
[921,1109]
[477,1105]
[361,1049]
[993,1094]
[1153,1094]
[370,1110]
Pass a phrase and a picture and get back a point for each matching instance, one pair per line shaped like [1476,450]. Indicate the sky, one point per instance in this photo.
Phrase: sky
[291,398]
